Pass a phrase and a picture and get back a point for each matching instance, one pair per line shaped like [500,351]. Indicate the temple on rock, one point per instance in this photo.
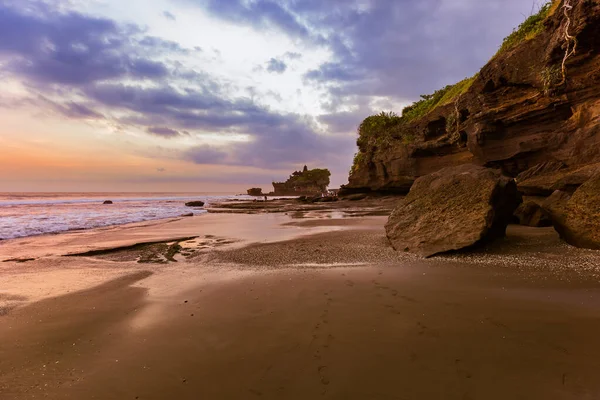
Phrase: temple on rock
[307,182]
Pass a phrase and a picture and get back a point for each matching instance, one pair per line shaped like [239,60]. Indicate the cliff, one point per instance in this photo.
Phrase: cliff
[303,183]
[522,109]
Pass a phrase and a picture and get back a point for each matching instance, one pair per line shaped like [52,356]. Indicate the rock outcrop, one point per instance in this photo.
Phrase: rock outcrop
[453,209]
[195,204]
[544,179]
[255,192]
[514,114]
[577,218]
[532,214]
[308,182]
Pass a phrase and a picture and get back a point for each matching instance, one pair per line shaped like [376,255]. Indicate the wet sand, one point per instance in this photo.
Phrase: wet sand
[296,309]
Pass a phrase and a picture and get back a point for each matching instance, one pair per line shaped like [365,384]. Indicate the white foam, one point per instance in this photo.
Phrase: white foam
[25,217]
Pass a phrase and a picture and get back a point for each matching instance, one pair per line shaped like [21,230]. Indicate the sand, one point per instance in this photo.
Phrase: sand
[272,307]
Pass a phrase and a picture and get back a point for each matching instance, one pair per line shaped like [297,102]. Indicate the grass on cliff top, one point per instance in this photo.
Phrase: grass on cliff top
[438,98]
[376,130]
[531,27]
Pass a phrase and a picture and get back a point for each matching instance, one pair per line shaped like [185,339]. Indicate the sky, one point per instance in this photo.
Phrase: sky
[218,95]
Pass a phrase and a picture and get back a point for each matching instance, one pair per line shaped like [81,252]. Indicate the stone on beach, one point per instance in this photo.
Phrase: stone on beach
[453,209]
[195,204]
[108,202]
[577,218]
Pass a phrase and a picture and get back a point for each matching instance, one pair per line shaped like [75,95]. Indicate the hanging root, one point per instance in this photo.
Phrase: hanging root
[570,50]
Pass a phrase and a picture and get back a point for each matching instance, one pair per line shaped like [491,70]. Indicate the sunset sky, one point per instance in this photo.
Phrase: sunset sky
[218,95]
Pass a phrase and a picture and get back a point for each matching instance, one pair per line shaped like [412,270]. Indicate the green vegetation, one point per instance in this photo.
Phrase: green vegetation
[319,177]
[438,98]
[550,76]
[376,129]
[531,27]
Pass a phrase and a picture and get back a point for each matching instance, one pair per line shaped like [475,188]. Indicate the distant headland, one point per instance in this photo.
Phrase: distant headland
[307,182]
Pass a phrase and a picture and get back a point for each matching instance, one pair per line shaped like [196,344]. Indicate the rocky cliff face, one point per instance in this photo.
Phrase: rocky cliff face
[516,113]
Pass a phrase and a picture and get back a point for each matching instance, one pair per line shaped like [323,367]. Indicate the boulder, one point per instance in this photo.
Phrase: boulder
[452,209]
[108,202]
[532,214]
[195,204]
[577,218]
[544,179]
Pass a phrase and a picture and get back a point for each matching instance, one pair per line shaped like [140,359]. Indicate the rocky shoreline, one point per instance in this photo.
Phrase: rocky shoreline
[530,118]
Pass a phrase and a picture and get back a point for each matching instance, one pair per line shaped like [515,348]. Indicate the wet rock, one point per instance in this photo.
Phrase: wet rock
[195,204]
[577,218]
[532,214]
[108,202]
[356,197]
[187,215]
[453,209]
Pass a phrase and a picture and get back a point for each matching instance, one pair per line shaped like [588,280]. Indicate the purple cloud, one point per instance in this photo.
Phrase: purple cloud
[276,66]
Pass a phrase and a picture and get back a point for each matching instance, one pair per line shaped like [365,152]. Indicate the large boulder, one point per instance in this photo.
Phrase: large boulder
[577,218]
[532,214]
[453,209]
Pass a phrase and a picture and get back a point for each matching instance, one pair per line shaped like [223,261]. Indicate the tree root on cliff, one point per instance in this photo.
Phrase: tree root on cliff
[569,51]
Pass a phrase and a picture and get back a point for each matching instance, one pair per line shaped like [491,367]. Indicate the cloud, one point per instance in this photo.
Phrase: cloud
[163,131]
[169,16]
[399,49]
[276,66]
[52,47]
[206,155]
[89,68]
[290,55]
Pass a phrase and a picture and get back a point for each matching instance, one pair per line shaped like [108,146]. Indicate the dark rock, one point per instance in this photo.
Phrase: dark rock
[545,168]
[255,192]
[532,214]
[577,218]
[356,197]
[453,209]
[195,204]
[187,215]
[108,202]
[306,182]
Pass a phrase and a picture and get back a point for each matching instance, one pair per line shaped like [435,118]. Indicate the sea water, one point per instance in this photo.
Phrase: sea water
[29,214]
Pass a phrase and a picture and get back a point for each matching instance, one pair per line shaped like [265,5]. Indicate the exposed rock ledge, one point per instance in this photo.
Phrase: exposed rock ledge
[515,115]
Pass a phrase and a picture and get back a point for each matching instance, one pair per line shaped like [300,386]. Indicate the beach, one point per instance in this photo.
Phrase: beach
[273,305]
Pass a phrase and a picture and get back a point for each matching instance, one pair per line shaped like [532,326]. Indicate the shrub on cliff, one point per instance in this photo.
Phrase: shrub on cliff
[532,26]
[375,130]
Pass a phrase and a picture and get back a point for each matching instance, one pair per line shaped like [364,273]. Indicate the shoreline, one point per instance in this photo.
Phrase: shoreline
[264,305]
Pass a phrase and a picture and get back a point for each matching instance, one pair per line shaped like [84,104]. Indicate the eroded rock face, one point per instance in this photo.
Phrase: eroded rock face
[532,214]
[453,209]
[577,218]
[514,116]
[544,179]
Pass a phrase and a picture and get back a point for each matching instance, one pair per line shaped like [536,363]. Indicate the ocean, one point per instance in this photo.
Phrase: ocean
[30,214]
